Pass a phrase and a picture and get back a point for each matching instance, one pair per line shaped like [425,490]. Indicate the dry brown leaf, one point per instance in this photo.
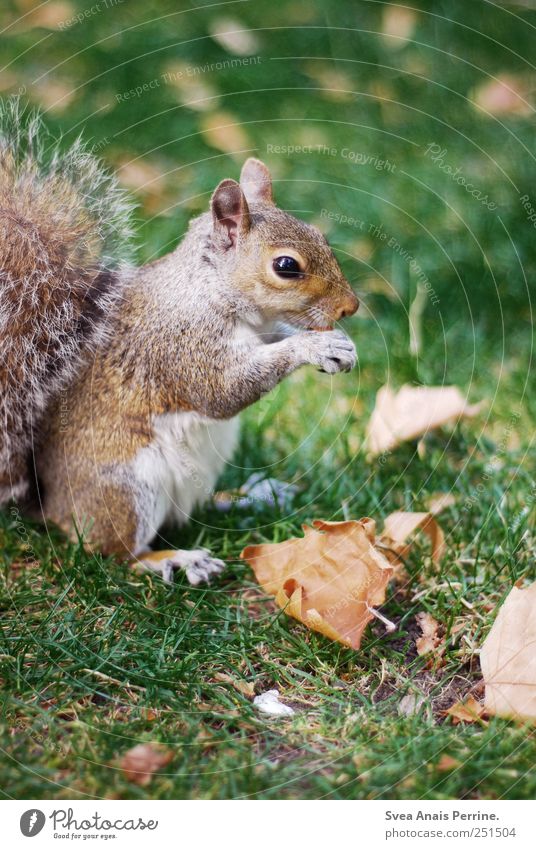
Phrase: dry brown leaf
[222,131]
[331,579]
[247,688]
[468,711]
[402,524]
[412,412]
[141,762]
[508,657]
[429,626]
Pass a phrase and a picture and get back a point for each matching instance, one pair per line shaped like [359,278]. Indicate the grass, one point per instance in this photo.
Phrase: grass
[95,658]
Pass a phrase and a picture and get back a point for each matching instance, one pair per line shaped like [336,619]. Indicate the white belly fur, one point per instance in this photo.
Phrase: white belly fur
[182,465]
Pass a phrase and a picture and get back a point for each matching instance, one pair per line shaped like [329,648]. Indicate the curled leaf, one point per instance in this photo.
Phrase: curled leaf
[247,688]
[331,579]
[468,711]
[412,412]
[429,627]
[508,657]
[402,524]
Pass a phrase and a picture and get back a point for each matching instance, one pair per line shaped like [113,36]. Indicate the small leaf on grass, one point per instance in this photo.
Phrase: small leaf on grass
[141,762]
[508,657]
[330,579]
[247,688]
[468,711]
[333,577]
[413,411]
[429,640]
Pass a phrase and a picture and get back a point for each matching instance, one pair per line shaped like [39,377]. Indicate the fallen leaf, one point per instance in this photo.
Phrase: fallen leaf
[402,524]
[233,36]
[468,711]
[505,95]
[331,579]
[429,640]
[141,762]
[222,131]
[247,688]
[412,412]
[508,657]
[269,704]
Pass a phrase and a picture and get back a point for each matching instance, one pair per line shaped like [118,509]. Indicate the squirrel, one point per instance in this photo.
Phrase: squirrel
[140,433]
[65,247]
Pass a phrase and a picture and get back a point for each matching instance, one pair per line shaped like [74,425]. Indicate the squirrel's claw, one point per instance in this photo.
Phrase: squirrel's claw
[199,565]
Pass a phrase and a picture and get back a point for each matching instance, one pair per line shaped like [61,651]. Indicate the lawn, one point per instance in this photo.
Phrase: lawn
[96,658]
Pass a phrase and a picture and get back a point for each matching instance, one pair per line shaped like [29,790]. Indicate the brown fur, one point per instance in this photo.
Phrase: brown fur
[174,349]
[57,286]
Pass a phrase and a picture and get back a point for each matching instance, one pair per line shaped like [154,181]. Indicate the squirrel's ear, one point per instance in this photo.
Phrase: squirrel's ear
[256,181]
[230,211]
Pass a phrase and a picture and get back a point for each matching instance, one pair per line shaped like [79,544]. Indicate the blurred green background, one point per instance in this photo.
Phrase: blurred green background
[369,87]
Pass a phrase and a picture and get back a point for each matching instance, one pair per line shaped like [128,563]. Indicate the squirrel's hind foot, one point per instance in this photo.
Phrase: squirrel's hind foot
[199,565]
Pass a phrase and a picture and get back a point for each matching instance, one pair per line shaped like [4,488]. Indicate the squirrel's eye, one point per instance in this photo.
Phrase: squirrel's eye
[286,267]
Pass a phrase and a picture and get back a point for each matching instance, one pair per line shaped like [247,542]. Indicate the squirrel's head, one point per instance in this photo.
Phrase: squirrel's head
[283,265]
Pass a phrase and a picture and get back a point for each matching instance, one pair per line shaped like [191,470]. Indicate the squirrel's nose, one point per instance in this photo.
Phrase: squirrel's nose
[349,306]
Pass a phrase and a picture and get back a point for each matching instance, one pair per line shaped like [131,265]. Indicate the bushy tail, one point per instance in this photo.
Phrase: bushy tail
[65,245]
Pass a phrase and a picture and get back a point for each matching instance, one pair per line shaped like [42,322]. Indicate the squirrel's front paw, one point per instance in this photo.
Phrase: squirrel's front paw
[199,565]
[331,351]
